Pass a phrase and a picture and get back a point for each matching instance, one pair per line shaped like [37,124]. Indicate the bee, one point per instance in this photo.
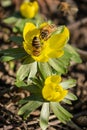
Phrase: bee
[67,8]
[36,46]
[46,31]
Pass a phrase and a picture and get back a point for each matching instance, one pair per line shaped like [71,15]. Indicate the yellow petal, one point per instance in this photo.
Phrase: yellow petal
[27,48]
[43,24]
[35,4]
[62,95]
[25,10]
[29,27]
[56,53]
[52,90]
[54,78]
[29,32]
[41,58]
[47,92]
[58,41]
[56,97]
[29,9]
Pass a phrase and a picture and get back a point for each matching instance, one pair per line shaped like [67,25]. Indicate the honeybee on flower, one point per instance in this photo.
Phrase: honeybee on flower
[36,46]
[46,31]
[50,47]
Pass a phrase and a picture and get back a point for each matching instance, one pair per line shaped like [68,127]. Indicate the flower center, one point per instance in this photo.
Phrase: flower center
[58,89]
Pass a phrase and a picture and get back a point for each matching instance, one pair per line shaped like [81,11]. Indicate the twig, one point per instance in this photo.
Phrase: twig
[83,54]
[72,125]
[83,113]
[52,117]
[47,5]
[54,123]
[32,122]
[77,24]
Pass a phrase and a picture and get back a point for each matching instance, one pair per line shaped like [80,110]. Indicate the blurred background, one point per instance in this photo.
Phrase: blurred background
[73,14]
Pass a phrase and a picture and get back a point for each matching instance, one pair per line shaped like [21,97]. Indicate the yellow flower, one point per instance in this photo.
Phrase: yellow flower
[29,9]
[52,90]
[44,49]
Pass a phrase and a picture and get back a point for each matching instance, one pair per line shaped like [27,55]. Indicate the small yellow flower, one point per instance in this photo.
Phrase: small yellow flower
[45,49]
[29,9]
[52,90]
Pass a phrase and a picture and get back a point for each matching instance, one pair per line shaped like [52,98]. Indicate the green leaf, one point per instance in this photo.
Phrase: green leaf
[60,65]
[23,101]
[6,3]
[60,112]
[28,59]
[68,84]
[69,115]
[23,71]
[44,116]
[33,72]
[12,50]
[32,97]
[28,108]
[16,39]
[19,26]
[32,88]
[38,82]
[44,69]
[67,101]
[74,55]
[6,58]
[71,96]
[56,65]
[10,20]
[19,84]
[35,89]
[36,96]
[12,54]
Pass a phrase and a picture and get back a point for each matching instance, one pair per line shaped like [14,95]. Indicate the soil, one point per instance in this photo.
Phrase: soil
[10,94]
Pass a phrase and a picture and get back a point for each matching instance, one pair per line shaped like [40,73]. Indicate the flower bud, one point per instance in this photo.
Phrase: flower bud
[29,9]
